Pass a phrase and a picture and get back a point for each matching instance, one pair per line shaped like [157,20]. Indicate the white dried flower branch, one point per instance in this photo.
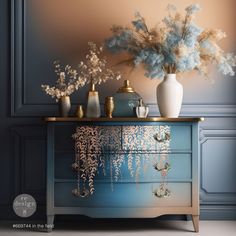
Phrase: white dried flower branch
[66,84]
[95,68]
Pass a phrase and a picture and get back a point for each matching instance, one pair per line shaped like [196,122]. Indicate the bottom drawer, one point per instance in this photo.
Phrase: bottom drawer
[124,195]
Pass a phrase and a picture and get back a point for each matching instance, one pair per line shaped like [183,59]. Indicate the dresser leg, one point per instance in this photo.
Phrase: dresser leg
[195,219]
[50,221]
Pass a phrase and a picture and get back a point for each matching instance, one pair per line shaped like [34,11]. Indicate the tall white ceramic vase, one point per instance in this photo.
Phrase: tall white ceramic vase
[169,96]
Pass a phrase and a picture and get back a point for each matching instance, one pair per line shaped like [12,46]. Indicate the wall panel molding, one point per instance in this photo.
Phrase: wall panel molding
[207,193]
[17,55]
[217,212]
[29,152]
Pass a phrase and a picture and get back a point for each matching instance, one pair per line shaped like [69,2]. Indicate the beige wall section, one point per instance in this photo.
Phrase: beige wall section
[67,25]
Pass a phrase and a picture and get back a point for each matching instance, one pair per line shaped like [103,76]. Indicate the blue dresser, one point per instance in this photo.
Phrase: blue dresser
[143,167]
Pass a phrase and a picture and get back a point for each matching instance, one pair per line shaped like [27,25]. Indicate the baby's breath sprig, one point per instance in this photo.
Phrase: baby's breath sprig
[67,82]
[95,68]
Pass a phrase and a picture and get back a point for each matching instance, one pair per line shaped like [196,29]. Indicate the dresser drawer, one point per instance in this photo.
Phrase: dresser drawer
[180,168]
[142,137]
[124,195]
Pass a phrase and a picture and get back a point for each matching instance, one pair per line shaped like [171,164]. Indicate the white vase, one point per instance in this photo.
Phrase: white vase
[169,96]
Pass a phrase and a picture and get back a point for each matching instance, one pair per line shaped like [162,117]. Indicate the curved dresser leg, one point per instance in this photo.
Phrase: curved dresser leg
[50,221]
[195,219]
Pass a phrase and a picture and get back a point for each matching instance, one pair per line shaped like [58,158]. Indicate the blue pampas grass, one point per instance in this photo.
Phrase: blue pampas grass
[178,45]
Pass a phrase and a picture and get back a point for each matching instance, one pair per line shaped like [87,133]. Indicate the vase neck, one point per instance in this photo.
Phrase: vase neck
[65,97]
[170,77]
[92,87]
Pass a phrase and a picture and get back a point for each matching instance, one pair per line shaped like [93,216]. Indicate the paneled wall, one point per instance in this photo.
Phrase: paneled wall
[34,33]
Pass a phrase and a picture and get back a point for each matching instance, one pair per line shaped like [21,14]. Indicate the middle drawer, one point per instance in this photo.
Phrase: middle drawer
[180,167]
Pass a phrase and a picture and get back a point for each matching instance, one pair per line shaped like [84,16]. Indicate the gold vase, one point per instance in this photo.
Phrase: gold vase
[109,106]
[64,106]
[79,111]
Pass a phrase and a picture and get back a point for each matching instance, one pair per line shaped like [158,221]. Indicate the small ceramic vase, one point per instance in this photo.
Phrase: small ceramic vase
[64,106]
[141,110]
[125,100]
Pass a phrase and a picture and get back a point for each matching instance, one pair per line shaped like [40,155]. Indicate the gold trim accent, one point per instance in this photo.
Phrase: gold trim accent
[123,119]
[126,88]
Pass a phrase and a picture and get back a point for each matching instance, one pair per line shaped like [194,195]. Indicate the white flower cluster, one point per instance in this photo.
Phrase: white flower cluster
[94,69]
[66,84]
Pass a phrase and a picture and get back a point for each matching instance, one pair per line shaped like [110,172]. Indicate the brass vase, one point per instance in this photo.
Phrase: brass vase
[79,111]
[109,106]
[64,106]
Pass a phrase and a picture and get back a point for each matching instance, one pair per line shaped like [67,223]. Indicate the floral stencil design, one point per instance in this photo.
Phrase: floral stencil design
[97,145]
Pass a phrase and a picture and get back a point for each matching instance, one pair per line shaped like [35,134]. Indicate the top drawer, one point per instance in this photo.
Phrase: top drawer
[154,138]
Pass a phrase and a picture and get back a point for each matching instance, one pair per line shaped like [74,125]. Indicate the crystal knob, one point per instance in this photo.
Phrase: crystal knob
[75,166]
[160,137]
[162,167]
[78,193]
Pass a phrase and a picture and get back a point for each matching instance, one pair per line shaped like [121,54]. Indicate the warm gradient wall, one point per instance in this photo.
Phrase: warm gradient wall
[62,29]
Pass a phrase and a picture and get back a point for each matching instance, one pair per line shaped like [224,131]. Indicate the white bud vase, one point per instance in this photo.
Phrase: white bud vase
[169,96]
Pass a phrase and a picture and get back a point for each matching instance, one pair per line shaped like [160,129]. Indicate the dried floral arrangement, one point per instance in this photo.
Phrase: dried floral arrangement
[95,69]
[95,147]
[176,45]
[67,82]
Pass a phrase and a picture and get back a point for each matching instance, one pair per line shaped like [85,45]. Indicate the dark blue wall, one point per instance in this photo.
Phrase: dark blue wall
[22,156]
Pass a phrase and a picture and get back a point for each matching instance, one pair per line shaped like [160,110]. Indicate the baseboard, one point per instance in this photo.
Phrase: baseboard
[207,212]
[217,212]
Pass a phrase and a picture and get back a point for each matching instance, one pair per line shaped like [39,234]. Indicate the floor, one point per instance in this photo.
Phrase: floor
[125,228]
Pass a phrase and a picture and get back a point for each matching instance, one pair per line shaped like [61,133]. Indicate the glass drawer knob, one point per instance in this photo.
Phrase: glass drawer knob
[162,192]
